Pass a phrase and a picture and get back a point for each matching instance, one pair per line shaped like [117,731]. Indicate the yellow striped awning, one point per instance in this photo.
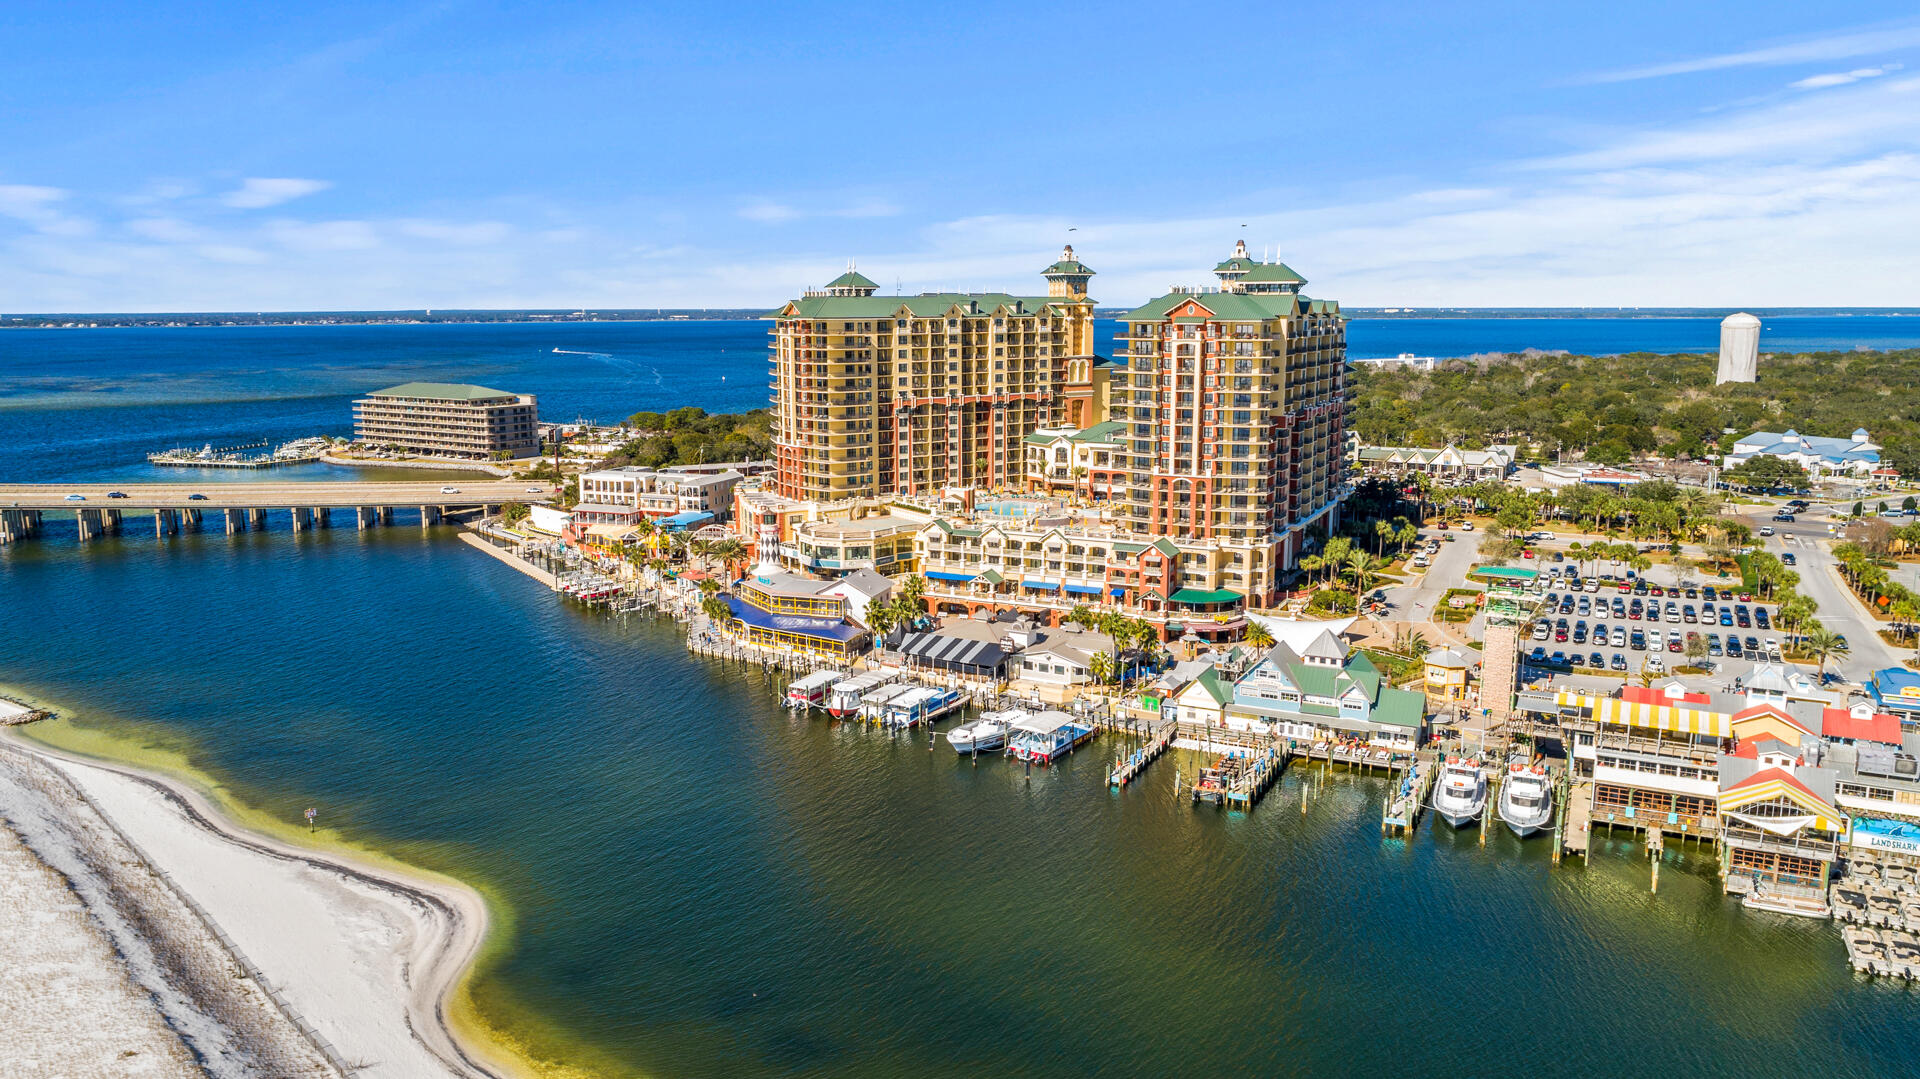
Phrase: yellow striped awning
[1656,717]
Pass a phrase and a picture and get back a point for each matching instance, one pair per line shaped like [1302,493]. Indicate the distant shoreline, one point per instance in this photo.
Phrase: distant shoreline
[512,316]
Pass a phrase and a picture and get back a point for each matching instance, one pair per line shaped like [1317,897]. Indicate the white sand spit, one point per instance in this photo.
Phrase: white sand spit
[186,975]
[365,955]
[67,1004]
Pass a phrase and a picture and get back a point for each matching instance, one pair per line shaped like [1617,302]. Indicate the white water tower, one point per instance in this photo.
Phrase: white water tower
[1739,348]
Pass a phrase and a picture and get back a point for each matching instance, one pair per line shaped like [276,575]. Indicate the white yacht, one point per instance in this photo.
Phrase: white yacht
[1526,798]
[1461,795]
[988,734]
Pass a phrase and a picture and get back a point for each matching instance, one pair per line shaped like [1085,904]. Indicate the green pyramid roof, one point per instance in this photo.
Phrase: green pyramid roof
[851,279]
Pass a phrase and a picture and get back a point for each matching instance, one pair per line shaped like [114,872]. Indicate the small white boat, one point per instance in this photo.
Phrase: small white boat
[810,691]
[988,734]
[1526,798]
[1461,795]
[843,699]
[923,706]
[873,704]
[1044,738]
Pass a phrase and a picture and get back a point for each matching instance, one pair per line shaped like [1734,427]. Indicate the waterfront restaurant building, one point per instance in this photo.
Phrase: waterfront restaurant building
[796,615]
[448,420]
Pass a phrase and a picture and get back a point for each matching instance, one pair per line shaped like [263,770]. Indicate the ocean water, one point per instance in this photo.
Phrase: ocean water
[90,404]
[702,885]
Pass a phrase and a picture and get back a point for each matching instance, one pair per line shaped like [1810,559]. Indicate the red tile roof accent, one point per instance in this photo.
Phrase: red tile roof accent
[1880,727]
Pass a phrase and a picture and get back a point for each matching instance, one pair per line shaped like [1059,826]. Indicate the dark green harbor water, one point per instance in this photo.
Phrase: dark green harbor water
[704,886]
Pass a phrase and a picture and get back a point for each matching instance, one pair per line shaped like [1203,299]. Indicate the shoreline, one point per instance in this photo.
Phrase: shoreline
[437,928]
[468,537]
[429,466]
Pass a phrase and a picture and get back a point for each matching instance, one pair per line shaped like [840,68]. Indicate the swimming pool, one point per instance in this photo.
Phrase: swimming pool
[1020,508]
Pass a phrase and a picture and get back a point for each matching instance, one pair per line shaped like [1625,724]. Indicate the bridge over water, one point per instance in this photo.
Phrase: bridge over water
[103,508]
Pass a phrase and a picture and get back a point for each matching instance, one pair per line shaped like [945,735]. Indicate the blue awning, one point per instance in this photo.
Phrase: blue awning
[1084,589]
[1117,590]
[1047,586]
[940,576]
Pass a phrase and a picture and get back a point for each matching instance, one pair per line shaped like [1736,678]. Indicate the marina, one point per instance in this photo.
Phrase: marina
[299,451]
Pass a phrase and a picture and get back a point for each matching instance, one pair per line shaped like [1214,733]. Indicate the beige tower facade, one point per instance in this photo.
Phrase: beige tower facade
[876,395]
[1234,399]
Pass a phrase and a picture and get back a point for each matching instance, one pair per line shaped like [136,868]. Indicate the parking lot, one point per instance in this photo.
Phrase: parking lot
[1639,625]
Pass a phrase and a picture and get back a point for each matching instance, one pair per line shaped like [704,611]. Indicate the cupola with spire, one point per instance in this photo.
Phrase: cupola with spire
[1067,278]
[1243,273]
[851,283]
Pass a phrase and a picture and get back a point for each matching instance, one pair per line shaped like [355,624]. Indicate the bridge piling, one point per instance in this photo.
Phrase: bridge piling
[88,524]
[236,521]
[302,518]
[257,520]
[112,521]
[365,517]
[190,518]
[429,516]
[323,517]
[165,523]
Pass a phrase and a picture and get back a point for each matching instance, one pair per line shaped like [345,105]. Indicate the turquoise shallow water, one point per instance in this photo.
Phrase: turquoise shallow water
[705,886]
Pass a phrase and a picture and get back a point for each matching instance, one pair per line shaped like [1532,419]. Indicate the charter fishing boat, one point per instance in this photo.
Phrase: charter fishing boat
[923,706]
[1044,738]
[988,734]
[1461,795]
[1526,798]
[810,690]
[843,699]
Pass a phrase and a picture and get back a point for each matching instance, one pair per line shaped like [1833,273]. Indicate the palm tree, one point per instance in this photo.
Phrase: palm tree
[717,609]
[1359,566]
[881,617]
[1101,666]
[1824,644]
[1081,615]
[1905,611]
[1258,635]
[1795,610]
[1411,643]
[1382,531]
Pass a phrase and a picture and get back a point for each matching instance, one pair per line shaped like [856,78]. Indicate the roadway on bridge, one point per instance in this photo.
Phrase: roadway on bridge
[228,495]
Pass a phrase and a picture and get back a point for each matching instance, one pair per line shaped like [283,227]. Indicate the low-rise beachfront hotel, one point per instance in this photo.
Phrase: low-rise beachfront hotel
[448,419]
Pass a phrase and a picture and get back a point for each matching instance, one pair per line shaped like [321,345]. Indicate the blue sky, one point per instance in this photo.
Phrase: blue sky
[227,156]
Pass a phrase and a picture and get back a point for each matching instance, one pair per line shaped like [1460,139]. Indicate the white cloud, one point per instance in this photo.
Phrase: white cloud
[28,202]
[1842,78]
[256,192]
[1840,46]
[768,212]
[470,233]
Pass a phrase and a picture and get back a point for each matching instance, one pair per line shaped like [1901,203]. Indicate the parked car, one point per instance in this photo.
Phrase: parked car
[1726,616]
[1733,647]
[1687,614]
[1619,662]
[1673,643]
[1761,618]
[1655,665]
[1538,655]
[1596,661]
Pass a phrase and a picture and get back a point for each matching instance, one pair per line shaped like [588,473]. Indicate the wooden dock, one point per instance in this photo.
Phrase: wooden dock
[1409,798]
[1256,778]
[1127,768]
[1573,823]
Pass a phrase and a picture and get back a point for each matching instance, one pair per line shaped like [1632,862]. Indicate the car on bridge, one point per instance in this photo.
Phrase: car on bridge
[449,490]
[76,498]
[116,494]
[196,498]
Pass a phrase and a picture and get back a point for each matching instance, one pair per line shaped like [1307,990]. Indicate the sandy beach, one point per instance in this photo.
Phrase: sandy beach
[200,938]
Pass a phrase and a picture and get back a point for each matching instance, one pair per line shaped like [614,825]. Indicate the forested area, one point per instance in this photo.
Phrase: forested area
[1611,408]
